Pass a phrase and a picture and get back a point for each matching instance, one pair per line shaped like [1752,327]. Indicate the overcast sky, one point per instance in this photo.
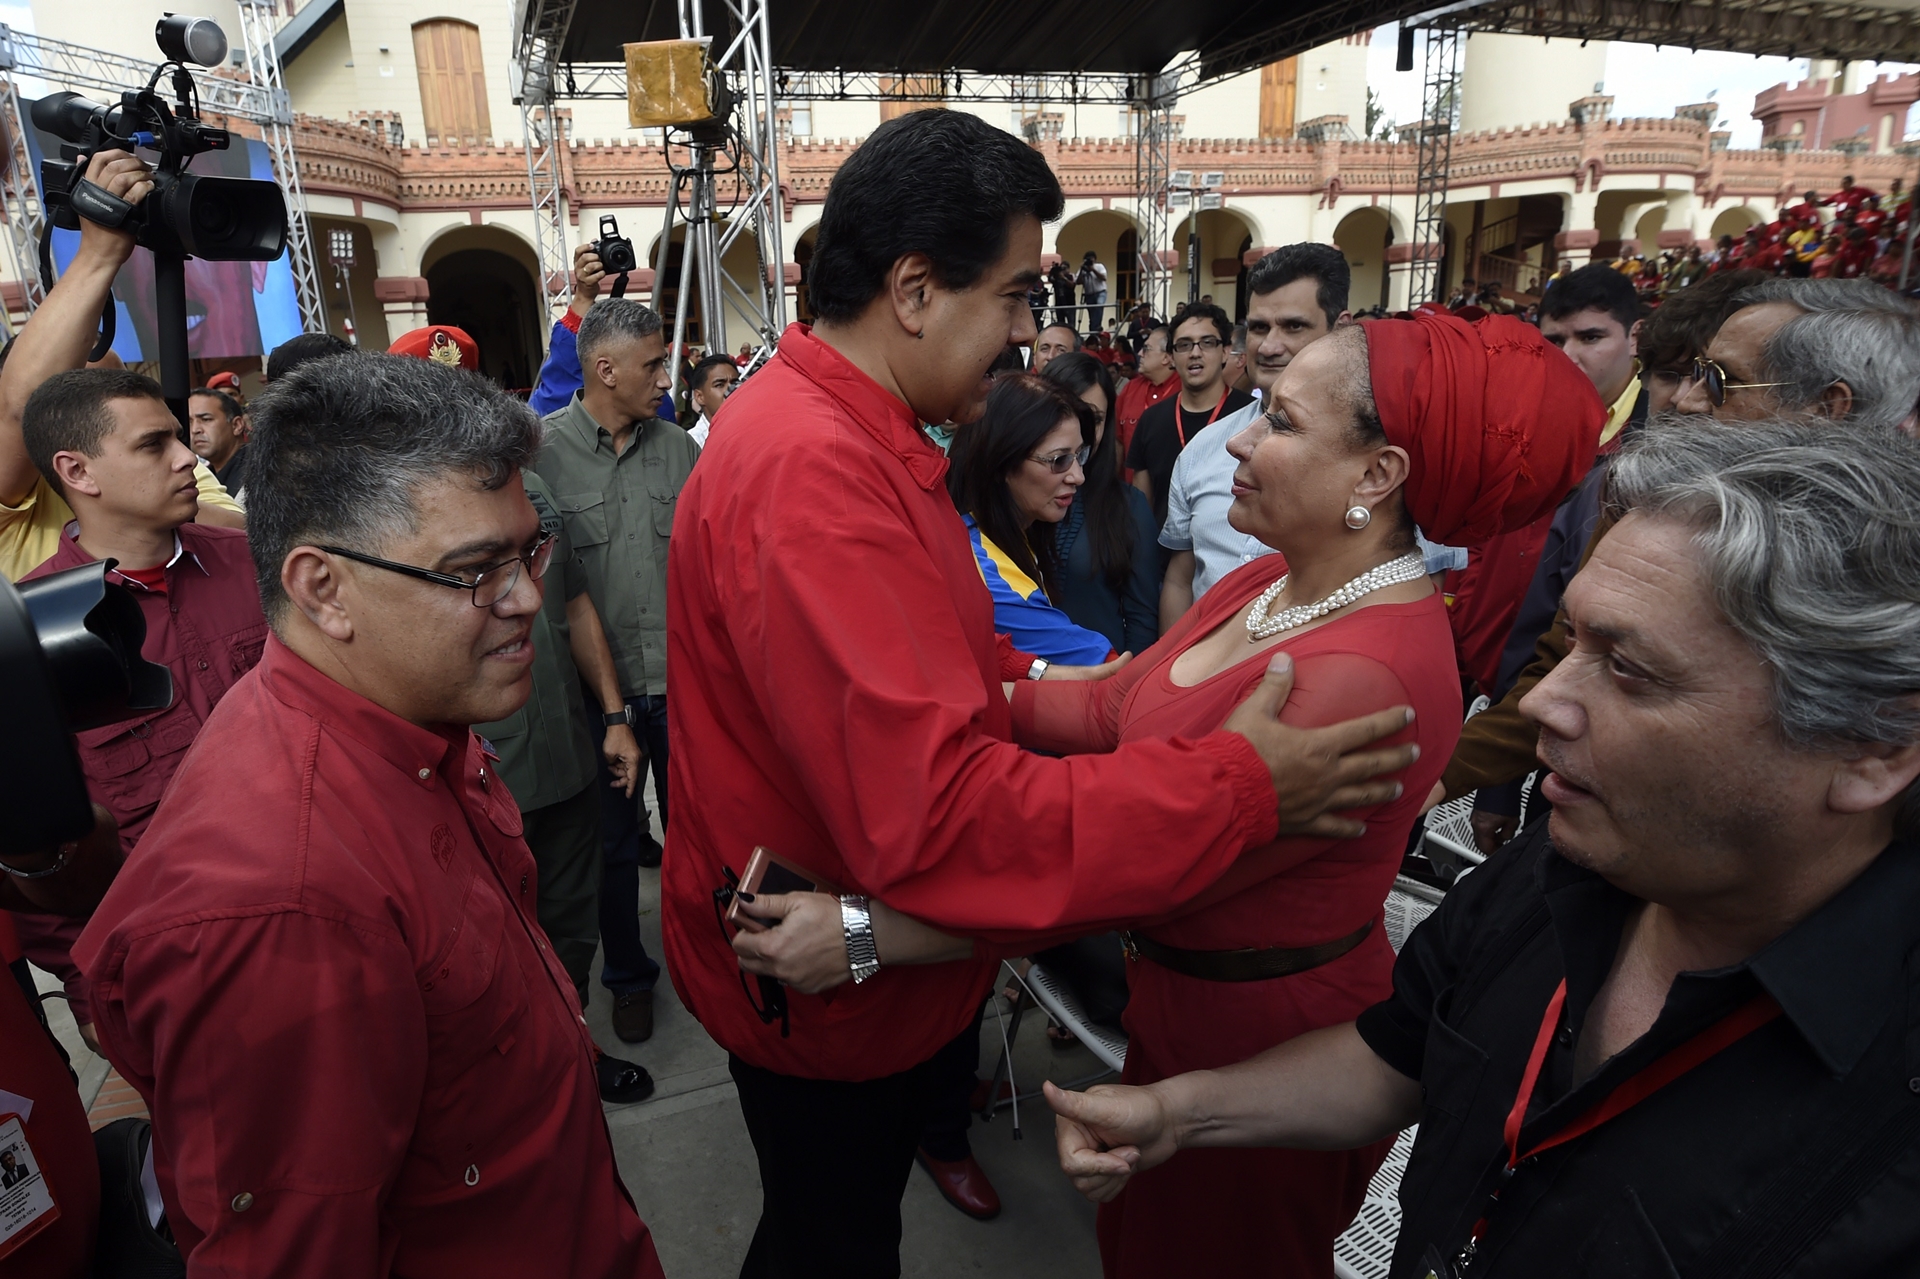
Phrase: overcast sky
[1644,81]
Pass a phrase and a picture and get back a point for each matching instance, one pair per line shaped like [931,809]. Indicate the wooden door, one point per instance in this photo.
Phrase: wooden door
[1278,89]
[453,85]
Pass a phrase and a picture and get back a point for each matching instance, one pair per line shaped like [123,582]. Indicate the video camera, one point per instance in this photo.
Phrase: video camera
[69,661]
[220,219]
[616,253]
[186,215]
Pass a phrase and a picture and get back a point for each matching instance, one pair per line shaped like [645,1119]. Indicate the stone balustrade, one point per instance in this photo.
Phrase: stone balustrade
[352,160]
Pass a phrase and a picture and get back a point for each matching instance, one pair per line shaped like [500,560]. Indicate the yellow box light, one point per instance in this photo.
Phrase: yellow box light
[667,83]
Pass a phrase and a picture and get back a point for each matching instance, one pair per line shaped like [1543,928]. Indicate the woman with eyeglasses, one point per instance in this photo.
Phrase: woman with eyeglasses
[1466,430]
[1013,479]
[1109,562]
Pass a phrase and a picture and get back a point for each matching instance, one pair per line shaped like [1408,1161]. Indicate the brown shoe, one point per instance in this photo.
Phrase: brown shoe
[633,1016]
[963,1183]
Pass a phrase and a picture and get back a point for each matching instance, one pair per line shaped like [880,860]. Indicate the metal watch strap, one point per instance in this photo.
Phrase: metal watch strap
[863,956]
[1039,668]
[60,859]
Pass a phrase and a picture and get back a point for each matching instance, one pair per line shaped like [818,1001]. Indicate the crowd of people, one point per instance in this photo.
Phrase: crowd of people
[989,636]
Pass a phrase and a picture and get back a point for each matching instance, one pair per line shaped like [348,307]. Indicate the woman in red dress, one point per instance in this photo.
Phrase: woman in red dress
[1467,430]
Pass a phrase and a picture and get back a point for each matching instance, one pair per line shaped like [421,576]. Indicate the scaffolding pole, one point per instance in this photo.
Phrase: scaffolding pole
[32,64]
[276,129]
[1441,109]
[1153,175]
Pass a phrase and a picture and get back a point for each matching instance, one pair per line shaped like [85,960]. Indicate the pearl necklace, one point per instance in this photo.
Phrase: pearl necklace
[1408,568]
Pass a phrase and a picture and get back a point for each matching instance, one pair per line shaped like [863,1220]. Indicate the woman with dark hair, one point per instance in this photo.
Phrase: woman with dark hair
[1014,476]
[1109,563]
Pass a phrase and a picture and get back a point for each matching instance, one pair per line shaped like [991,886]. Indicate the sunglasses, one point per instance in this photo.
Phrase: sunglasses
[1065,460]
[1710,374]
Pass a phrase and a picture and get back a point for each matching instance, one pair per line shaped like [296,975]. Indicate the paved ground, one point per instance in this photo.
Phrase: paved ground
[686,1158]
[685,1155]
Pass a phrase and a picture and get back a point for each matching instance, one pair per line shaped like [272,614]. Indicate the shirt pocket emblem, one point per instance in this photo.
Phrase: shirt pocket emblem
[443,845]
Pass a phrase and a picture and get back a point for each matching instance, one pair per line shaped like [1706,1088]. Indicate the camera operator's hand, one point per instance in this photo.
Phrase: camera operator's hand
[124,176]
[587,274]
[63,328]
[86,870]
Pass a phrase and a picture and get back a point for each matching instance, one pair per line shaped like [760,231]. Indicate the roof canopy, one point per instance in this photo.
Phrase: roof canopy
[1000,37]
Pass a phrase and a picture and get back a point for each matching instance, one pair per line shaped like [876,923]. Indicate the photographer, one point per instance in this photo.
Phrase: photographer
[561,375]
[57,338]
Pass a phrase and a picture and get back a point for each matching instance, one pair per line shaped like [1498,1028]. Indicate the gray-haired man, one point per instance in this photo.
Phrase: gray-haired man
[1718,924]
[322,967]
[616,471]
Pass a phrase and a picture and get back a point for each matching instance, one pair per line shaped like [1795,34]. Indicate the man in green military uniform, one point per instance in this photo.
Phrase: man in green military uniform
[548,761]
[616,471]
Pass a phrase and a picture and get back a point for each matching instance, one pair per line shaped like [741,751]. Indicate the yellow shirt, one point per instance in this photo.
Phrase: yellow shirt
[1622,408]
[30,532]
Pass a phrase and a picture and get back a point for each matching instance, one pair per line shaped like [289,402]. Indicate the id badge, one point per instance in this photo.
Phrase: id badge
[26,1201]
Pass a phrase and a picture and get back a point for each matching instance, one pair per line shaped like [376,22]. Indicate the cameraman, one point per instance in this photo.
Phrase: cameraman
[561,375]
[57,338]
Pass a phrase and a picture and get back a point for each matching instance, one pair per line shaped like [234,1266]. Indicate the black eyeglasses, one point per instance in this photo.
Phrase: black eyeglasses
[1184,345]
[1065,460]
[1719,385]
[489,587]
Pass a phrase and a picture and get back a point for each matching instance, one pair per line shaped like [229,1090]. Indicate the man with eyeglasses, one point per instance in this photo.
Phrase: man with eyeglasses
[105,442]
[616,470]
[322,968]
[1847,351]
[1199,349]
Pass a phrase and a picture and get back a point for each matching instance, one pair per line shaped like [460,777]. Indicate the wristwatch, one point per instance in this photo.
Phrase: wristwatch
[863,957]
[613,719]
[1039,668]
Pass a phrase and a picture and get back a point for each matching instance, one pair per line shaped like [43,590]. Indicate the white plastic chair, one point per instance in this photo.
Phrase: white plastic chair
[1365,1250]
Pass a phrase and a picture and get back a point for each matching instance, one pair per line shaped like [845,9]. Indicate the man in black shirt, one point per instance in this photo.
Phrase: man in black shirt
[1672,1031]
[1199,350]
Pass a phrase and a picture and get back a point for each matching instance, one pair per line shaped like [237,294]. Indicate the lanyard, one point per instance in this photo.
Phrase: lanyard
[1178,413]
[1630,1092]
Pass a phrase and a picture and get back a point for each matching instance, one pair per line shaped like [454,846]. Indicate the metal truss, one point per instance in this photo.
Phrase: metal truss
[545,132]
[32,65]
[1441,108]
[1790,29]
[276,129]
[1153,174]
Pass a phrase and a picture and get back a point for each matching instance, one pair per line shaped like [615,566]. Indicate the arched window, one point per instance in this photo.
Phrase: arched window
[453,86]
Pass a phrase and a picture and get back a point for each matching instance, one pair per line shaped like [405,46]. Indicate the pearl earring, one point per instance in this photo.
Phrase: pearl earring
[1358,517]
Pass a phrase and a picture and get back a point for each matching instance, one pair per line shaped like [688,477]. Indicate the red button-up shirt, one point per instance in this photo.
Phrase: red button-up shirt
[836,697]
[322,970]
[206,627]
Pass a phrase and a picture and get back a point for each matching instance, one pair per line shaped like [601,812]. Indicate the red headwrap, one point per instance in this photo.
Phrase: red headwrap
[1499,423]
[441,343]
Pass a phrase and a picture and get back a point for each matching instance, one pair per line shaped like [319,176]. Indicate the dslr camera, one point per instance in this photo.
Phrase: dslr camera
[616,254]
[188,214]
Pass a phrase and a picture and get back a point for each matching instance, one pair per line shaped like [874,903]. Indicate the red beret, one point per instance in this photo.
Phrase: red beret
[222,380]
[1500,424]
[441,343]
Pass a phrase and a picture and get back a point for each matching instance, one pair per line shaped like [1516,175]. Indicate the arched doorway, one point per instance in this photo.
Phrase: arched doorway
[1225,236]
[1362,238]
[481,279]
[1126,269]
[1240,282]
[739,265]
[1112,237]
[1733,222]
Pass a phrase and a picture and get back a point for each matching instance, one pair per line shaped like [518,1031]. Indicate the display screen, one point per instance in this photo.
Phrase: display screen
[233,308]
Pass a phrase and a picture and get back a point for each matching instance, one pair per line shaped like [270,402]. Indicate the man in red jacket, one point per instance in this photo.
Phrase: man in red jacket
[838,699]
[322,967]
[105,442]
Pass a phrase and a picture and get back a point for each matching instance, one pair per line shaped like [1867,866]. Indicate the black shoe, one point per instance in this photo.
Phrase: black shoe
[623,1082]
[633,1016]
[650,854]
